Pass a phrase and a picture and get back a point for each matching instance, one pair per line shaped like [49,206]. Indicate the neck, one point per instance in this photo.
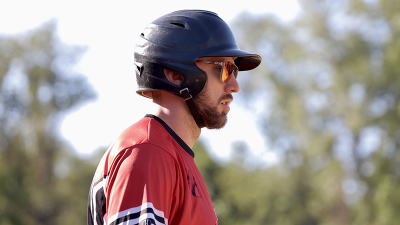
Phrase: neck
[176,114]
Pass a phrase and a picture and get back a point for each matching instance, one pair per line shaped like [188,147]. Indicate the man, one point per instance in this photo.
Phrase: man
[187,62]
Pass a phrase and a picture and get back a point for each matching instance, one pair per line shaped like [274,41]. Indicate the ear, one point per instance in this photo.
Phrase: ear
[173,77]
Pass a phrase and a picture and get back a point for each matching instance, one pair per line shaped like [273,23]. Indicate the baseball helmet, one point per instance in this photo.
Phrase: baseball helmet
[174,42]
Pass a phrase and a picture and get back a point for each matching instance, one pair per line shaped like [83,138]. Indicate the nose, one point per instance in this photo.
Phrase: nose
[232,86]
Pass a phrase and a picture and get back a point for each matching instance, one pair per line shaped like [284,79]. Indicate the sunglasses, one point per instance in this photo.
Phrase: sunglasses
[229,68]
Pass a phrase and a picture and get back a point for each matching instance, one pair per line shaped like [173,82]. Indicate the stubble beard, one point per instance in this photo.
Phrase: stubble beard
[212,118]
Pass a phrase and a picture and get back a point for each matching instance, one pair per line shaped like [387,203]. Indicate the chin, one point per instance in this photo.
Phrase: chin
[213,116]
[216,123]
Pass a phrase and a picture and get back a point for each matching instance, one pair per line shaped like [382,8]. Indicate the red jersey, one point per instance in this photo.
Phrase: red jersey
[148,176]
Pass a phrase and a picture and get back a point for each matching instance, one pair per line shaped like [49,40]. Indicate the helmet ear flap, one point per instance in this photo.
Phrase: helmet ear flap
[173,77]
[152,77]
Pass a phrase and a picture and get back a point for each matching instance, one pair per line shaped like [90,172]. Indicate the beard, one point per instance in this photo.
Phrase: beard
[212,118]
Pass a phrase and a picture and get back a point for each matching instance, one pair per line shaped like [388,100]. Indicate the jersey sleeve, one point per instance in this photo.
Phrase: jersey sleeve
[140,186]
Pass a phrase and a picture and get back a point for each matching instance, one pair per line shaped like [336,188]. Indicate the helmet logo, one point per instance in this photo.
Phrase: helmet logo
[138,68]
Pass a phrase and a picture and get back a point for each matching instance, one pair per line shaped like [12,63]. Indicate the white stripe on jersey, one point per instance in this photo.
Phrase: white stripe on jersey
[144,206]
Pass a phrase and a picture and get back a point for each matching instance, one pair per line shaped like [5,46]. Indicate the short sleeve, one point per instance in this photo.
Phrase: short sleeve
[140,186]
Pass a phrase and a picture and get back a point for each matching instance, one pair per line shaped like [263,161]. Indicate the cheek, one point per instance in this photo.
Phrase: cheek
[214,87]
[213,95]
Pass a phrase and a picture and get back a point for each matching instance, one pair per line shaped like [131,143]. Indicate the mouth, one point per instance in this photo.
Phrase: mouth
[226,100]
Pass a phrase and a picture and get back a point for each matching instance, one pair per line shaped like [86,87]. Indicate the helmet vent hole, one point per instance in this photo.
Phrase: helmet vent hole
[179,25]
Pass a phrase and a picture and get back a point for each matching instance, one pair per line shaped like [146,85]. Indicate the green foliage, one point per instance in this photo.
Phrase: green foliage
[43,182]
[331,80]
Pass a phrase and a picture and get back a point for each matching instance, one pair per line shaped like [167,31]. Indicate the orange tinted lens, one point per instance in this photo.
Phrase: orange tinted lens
[229,69]
[225,74]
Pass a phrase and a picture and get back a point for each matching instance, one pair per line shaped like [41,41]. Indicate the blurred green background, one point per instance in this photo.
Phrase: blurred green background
[329,85]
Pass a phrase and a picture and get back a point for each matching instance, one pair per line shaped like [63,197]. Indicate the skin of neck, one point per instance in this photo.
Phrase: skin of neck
[174,111]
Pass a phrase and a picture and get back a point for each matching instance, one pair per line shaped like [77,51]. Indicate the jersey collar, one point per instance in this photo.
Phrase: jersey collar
[173,134]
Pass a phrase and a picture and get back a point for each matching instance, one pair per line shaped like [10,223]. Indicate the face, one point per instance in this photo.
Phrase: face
[213,102]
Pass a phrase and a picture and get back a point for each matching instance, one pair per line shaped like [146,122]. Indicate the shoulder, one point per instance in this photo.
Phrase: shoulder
[143,154]
[141,174]
[141,165]
[146,130]
[145,134]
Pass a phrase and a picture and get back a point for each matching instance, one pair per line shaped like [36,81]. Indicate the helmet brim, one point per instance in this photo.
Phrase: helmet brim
[243,60]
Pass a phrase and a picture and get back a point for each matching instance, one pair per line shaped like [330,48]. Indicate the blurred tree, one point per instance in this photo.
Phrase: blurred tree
[43,182]
[330,87]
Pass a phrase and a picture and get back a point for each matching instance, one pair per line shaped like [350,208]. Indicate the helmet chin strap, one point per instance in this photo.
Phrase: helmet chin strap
[192,107]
